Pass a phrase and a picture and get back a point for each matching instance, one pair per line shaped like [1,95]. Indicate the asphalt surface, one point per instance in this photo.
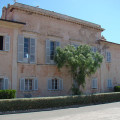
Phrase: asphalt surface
[109,111]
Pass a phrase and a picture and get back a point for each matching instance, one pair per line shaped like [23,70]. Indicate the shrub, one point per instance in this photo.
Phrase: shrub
[7,94]
[60,101]
[117,88]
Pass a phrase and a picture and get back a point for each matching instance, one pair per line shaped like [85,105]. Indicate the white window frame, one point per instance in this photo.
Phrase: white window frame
[48,50]
[59,81]
[109,83]
[6,42]
[108,56]
[4,82]
[29,36]
[52,61]
[28,84]
[33,83]
[94,49]
[94,83]
[27,60]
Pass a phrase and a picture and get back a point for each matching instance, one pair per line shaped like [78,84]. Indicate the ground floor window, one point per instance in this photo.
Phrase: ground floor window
[109,83]
[1,43]
[94,83]
[3,83]
[55,84]
[28,84]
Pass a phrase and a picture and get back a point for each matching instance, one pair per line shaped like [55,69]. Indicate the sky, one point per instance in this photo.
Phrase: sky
[103,12]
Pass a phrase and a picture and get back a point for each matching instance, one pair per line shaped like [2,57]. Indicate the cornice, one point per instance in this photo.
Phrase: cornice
[55,15]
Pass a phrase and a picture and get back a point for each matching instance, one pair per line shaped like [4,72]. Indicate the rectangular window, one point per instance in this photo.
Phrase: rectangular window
[1,83]
[26,49]
[109,83]
[4,43]
[55,84]
[94,49]
[1,43]
[51,50]
[28,84]
[108,56]
[94,83]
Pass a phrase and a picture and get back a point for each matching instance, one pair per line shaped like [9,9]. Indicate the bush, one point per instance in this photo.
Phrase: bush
[117,88]
[7,94]
[61,101]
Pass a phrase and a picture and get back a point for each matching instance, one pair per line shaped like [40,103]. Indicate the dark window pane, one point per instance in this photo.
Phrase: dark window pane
[53,84]
[26,84]
[1,42]
[1,84]
[26,47]
[52,50]
[56,87]
[30,84]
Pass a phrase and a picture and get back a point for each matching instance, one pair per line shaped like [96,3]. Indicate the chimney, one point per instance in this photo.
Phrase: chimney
[4,10]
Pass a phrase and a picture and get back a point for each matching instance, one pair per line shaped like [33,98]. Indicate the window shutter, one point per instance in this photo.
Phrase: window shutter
[35,84]
[20,48]
[96,83]
[57,44]
[94,49]
[32,50]
[93,83]
[5,83]
[22,84]
[49,84]
[108,56]
[7,43]
[60,84]
[47,51]
[110,83]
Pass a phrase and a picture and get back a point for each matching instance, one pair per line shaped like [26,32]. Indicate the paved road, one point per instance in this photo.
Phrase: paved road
[95,112]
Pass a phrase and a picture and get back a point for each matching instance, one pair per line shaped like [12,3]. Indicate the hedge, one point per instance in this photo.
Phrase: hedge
[117,88]
[7,94]
[61,101]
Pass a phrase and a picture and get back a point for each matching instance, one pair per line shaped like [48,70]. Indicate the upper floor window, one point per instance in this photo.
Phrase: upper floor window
[26,49]
[28,84]
[94,49]
[4,43]
[55,84]
[94,83]
[108,56]
[3,83]
[51,50]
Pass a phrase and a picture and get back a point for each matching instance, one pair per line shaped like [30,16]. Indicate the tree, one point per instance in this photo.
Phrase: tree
[81,61]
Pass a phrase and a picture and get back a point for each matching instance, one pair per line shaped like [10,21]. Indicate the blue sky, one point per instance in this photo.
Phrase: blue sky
[103,12]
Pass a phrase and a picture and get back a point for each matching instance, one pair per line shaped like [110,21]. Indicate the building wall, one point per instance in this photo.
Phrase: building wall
[42,28]
[6,56]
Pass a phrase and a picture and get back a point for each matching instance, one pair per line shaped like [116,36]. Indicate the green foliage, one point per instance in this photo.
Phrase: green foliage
[7,94]
[59,101]
[81,61]
[117,88]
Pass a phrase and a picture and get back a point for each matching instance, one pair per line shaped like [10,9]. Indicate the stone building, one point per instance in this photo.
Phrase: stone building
[28,38]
